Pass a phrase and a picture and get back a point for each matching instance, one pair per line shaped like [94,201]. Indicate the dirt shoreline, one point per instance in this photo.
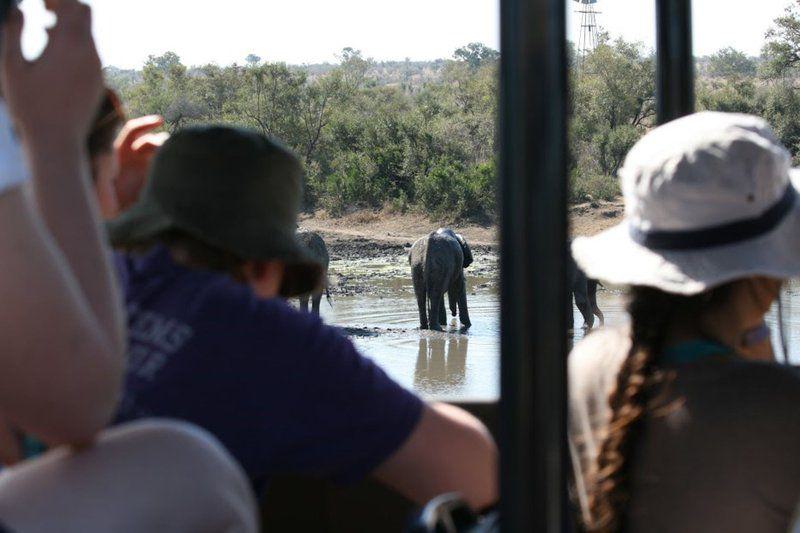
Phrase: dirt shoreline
[368,233]
[369,250]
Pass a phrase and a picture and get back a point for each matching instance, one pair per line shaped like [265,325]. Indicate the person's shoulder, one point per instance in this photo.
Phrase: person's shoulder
[601,351]
[768,381]
[594,363]
[236,304]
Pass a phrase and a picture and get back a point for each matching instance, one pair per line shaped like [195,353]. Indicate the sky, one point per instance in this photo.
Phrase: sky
[313,31]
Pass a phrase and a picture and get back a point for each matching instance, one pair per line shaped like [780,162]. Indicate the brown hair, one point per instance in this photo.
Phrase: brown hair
[107,122]
[652,312]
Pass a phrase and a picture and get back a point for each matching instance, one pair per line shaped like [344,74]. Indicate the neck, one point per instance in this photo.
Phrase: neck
[728,327]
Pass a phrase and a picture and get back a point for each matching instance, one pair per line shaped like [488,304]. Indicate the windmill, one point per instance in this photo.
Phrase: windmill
[589,29]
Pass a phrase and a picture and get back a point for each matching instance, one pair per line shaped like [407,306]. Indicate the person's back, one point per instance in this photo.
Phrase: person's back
[683,421]
[281,390]
[717,456]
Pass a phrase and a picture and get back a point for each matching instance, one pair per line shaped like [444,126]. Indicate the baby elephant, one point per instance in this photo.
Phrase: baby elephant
[437,266]
[316,245]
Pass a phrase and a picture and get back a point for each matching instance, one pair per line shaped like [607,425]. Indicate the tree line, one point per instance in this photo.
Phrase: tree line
[422,135]
[407,136]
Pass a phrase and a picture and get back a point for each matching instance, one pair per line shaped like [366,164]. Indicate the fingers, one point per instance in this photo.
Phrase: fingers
[135,128]
[150,142]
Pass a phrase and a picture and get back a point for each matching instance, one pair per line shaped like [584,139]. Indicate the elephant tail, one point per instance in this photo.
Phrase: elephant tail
[328,295]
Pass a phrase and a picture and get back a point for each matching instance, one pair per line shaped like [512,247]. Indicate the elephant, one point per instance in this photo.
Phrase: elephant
[584,292]
[437,264]
[316,244]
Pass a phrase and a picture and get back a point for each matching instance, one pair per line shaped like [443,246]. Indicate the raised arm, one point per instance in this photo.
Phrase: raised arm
[61,369]
[61,173]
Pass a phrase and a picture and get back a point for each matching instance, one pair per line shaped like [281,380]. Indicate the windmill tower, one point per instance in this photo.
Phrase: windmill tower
[587,15]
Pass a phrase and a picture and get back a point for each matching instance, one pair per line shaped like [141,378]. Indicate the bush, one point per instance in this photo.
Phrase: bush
[449,190]
[354,182]
[588,187]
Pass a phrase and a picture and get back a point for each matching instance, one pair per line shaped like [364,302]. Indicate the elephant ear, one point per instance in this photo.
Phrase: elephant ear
[466,249]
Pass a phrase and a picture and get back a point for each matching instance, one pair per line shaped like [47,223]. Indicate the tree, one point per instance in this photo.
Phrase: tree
[475,54]
[731,63]
[613,102]
[252,60]
[166,90]
[782,50]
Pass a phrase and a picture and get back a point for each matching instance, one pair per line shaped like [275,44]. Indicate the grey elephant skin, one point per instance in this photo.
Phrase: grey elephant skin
[316,244]
[437,263]
[584,291]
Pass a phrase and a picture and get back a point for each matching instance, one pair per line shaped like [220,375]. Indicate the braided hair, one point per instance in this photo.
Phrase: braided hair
[652,312]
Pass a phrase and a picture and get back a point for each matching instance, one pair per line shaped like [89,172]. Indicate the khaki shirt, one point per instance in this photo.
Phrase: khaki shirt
[724,456]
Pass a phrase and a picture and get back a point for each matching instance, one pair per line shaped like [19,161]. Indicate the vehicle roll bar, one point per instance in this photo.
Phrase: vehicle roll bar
[675,79]
[533,170]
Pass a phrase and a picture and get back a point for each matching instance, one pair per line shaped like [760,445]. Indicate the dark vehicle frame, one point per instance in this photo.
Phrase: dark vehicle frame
[530,423]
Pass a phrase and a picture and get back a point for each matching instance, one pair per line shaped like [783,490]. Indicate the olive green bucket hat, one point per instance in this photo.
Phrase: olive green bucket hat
[232,189]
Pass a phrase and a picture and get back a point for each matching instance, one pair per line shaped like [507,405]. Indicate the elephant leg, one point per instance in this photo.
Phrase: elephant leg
[315,303]
[582,301]
[435,300]
[463,313]
[442,312]
[304,303]
[593,301]
[452,296]
[419,291]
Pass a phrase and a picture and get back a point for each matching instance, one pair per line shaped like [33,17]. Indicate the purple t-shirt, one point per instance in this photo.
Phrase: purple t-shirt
[281,390]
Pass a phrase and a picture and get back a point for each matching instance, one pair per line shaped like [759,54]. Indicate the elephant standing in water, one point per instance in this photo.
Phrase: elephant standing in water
[437,267]
[584,292]
[315,243]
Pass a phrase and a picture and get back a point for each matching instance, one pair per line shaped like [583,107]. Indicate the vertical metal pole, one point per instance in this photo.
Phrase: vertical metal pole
[675,83]
[533,280]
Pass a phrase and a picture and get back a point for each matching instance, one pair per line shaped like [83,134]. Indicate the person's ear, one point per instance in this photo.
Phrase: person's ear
[264,277]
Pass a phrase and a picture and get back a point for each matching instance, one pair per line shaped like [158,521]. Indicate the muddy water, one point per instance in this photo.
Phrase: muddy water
[384,324]
[466,366]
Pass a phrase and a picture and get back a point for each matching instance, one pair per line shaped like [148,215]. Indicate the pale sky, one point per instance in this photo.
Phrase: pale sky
[312,31]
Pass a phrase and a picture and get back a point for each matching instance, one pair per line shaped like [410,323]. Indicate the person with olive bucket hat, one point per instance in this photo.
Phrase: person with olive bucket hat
[210,245]
[683,420]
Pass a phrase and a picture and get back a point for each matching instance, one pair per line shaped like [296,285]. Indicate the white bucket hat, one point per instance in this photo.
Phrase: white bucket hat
[709,198]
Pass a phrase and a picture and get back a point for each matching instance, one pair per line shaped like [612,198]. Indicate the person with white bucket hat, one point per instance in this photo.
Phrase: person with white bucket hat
[682,420]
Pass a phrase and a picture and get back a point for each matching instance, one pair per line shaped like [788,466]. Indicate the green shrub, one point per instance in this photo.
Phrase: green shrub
[451,191]
[354,182]
[588,187]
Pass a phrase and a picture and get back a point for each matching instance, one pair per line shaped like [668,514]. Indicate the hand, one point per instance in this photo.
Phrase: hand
[135,147]
[55,97]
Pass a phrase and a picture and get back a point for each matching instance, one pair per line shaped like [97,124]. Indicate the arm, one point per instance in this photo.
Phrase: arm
[448,451]
[61,185]
[54,125]
[61,378]
[57,152]
[61,369]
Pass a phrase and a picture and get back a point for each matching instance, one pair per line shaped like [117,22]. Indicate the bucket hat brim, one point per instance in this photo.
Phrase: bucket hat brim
[303,273]
[614,257]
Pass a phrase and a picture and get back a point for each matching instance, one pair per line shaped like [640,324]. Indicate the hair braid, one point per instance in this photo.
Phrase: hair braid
[652,313]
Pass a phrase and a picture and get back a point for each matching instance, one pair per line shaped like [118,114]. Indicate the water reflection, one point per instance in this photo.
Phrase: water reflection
[468,366]
[441,364]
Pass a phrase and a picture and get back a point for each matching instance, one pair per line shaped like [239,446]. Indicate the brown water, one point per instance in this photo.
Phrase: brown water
[466,366]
